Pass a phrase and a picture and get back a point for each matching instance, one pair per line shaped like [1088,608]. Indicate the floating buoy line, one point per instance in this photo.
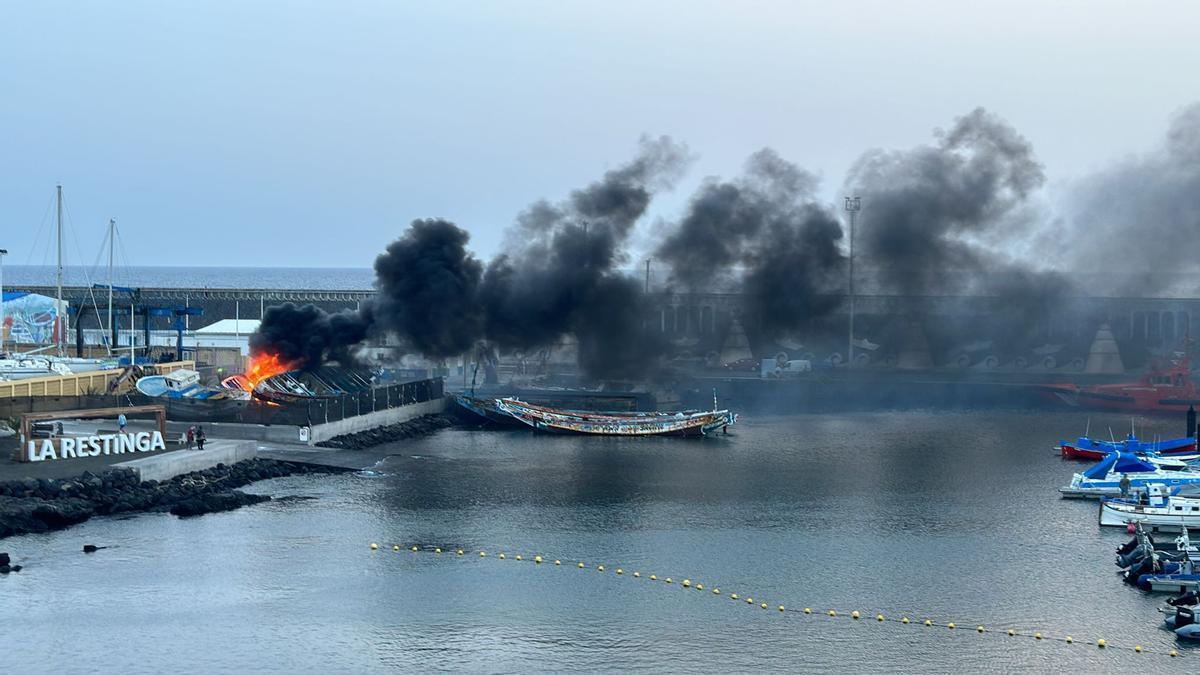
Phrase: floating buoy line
[853,615]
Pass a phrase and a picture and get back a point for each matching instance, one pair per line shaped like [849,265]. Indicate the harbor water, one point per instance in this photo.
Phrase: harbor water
[950,516]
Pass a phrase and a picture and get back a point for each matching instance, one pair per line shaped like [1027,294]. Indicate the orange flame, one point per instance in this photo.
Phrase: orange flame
[265,365]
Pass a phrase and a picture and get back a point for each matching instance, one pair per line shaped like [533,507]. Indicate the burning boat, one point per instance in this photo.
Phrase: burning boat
[271,379]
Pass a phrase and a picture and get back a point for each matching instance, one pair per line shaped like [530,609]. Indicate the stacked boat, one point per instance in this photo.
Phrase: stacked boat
[514,412]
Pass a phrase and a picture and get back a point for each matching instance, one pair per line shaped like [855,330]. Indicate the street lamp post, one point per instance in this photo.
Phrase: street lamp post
[3,252]
[853,205]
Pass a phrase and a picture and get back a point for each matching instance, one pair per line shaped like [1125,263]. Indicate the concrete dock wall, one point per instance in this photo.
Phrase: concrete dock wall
[167,465]
[381,418]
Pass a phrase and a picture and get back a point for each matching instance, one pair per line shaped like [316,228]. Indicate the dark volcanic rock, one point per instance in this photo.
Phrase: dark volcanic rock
[33,505]
[420,426]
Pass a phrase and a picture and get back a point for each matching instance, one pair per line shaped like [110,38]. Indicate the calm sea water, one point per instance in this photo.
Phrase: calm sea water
[951,516]
[335,278]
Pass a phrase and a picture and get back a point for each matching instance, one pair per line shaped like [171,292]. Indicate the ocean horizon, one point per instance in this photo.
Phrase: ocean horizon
[314,278]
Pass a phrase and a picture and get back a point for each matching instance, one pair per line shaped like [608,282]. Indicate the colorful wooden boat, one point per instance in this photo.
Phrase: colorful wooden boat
[682,423]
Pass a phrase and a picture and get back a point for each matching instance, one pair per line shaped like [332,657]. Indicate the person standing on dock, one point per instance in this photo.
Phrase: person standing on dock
[191,436]
[121,421]
[200,438]
[1124,486]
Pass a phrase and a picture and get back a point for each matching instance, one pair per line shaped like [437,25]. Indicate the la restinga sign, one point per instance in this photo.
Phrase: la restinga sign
[94,446]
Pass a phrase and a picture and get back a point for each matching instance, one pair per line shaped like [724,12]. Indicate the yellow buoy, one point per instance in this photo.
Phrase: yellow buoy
[1037,636]
[781,608]
[808,610]
[979,629]
[413,549]
[1101,643]
[1069,639]
[763,605]
[1011,632]
[699,587]
[374,546]
[637,575]
[395,547]
[620,571]
[557,562]
[879,617]
[904,619]
[928,622]
[950,625]
[1173,653]
[668,580]
[687,583]
[832,613]
[716,591]
[854,614]
[482,554]
[1137,648]
[653,577]
[438,550]
[733,596]
[600,568]
[581,565]
[502,556]
[537,559]
[518,556]
[459,551]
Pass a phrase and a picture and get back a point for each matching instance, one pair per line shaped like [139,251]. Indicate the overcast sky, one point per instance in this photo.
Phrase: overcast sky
[310,133]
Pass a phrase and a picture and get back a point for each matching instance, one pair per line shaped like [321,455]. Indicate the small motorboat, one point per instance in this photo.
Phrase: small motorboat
[1156,508]
[1104,479]
[1089,448]
[1170,577]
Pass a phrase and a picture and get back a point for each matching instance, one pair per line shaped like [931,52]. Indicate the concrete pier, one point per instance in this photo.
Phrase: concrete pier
[167,465]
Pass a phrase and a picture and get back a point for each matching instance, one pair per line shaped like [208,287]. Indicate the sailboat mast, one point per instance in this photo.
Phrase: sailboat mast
[58,302]
[112,231]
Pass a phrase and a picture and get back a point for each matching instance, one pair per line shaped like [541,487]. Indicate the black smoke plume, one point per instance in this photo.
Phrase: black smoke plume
[766,232]
[428,290]
[943,219]
[930,212]
[309,336]
[560,276]
[1132,227]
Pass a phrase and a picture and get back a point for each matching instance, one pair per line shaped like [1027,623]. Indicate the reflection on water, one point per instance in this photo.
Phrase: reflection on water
[953,516]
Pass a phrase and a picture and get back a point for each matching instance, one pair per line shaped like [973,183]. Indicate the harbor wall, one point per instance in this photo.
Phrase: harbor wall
[167,465]
[372,420]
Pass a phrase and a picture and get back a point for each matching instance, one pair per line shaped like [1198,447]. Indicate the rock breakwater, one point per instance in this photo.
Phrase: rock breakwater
[42,505]
[419,426]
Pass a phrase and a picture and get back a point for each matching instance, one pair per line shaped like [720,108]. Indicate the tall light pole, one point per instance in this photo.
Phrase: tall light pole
[853,205]
[3,252]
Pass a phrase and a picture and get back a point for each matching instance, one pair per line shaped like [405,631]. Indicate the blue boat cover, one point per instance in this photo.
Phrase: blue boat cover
[1119,461]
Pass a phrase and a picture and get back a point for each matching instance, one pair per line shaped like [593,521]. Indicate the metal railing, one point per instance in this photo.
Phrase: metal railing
[303,413]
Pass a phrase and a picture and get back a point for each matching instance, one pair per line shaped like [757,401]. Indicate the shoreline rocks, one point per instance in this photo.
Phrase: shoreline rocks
[35,505]
[418,426]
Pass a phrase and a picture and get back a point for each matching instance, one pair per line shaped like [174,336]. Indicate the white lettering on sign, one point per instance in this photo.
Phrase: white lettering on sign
[92,446]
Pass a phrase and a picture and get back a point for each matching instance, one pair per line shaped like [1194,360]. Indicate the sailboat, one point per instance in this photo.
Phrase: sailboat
[31,364]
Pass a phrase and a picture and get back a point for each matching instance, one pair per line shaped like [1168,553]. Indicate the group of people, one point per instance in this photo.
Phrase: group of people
[193,435]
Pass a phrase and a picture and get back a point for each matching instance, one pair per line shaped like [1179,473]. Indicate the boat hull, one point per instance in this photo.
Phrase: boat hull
[550,420]
[1153,519]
